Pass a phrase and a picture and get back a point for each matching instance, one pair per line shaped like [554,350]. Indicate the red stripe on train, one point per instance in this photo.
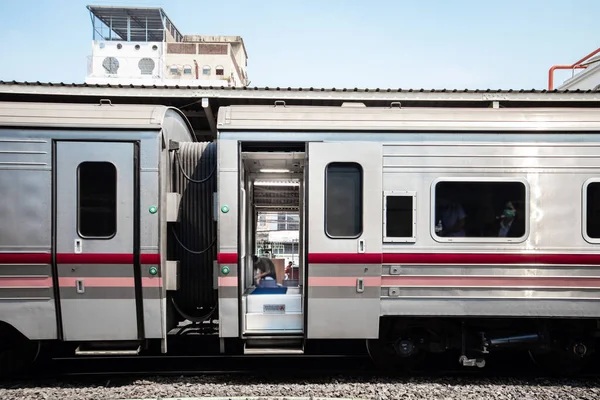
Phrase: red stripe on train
[227,258]
[456,258]
[439,258]
[452,258]
[96,258]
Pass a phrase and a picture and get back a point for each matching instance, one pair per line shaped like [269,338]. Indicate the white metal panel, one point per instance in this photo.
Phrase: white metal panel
[416,119]
[82,115]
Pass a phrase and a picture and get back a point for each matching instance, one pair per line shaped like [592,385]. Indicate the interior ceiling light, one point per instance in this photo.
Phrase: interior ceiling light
[275,171]
[272,183]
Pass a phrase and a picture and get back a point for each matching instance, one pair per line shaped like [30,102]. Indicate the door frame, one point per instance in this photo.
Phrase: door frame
[137,266]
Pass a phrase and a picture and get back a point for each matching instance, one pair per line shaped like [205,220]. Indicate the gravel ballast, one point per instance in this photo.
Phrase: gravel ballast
[281,388]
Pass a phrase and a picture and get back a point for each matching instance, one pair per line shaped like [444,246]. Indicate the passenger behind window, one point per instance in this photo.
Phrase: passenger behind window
[265,271]
[453,218]
[511,223]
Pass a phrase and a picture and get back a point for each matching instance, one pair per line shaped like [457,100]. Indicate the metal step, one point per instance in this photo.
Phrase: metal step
[292,344]
[271,350]
[107,352]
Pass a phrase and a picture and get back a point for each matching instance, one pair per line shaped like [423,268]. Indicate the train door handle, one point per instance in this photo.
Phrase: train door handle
[360,285]
[361,245]
[79,286]
[78,246]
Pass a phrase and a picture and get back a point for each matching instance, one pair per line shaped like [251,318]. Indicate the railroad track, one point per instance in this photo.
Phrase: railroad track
[504,365]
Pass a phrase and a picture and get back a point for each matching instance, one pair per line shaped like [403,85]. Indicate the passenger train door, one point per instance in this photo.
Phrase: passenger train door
[344,225]
[95,240]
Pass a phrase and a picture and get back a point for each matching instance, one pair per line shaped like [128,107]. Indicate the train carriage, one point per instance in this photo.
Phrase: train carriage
[419,229]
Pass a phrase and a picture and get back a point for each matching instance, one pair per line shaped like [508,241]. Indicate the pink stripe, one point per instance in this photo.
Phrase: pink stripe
[343,281]
[110,282]
[228,281]
[464,281]
[20,281]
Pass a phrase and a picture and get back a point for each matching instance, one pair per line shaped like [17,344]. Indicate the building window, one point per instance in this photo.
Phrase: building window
[219,70]
[592,210]
[111,65]
[146,66]
[399,223]
[174,70]
[480,210]
[97,199]
[206,70]
[343,200]
[187,69]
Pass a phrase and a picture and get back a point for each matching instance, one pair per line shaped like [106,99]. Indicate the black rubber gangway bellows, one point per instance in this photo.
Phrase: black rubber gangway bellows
[193,240]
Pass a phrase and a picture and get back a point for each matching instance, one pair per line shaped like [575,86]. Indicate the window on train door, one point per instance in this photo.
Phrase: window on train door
[399,218]
[343,200]
[97,200]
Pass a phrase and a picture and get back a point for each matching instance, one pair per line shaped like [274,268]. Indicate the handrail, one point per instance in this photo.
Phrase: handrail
[575,65]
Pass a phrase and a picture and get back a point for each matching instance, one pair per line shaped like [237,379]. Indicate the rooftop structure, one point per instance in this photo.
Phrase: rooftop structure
[132,24]
[142,46]
[588,78]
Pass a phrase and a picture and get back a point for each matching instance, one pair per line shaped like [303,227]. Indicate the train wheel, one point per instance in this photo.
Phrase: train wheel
[384,355]
[16,357]
[560,362]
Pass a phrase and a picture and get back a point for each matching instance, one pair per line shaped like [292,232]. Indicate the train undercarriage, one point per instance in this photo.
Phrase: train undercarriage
[561,346]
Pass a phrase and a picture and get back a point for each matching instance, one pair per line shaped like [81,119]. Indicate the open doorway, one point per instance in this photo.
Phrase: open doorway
[272,229]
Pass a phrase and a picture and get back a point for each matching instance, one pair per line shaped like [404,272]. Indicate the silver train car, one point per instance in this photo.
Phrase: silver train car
[418,230]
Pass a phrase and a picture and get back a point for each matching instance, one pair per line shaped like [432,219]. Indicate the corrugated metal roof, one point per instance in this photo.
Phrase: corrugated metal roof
[292,89]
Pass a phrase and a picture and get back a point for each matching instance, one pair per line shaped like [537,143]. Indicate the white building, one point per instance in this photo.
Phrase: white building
[142,46]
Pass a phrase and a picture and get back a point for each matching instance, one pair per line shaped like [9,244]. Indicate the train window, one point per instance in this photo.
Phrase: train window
[399,222]
[484,210]
[343,200]
[97,199]
[592,210]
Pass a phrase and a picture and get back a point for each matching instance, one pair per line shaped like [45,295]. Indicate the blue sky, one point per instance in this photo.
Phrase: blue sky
[430,44]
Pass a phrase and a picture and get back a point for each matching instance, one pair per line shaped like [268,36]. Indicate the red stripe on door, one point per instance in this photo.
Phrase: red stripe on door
[344,258]
[227,258]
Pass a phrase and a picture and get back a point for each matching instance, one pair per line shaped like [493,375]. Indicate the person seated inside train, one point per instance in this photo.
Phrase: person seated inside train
[510,223]
[265,269]
[452,217]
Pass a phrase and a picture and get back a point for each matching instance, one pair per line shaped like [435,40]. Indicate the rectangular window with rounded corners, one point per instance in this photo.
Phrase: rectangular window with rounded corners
[480,210]
[97,200]
[343,200]
[591,218]
[399,216]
